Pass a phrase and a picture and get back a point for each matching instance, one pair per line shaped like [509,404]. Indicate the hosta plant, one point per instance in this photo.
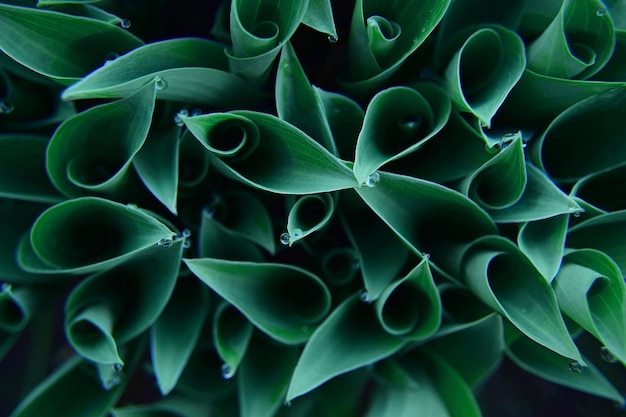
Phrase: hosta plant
[308,208]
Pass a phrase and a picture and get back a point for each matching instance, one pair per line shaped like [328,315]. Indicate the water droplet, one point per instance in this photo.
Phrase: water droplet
[117,367]
[373,180]
[285,238]
[125,23]
[576,214]
[6,107]
[426,256]
[166,242]
[131,205]
[5,287]
[332,39]
[365,297]
[110,57]
[601,12]
[287,404]
[297,233]
[227,371]
[187,244]
[196,112]
[186,233]
[160,83]
[607,355]
[576,366]
[111,383]
[178,118]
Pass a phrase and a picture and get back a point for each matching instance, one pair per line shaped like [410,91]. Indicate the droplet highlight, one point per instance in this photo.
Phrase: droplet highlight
[365,297]
[187,244]
[332,39]
[125,23]
[373,180]
[297,233]
[227,371]
[6,107]
[576,367]
[285,238]
[426,256]
[287,404]
[117,367]
[160,84]
[166,242]
[601,12]
[186,233]
[607,355]
[178,119]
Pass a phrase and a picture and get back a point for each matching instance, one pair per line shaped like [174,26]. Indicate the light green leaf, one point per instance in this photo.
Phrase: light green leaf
[398,121]
[308,215]
[543,242]
[175,333]
[283,301]
[57,45]
[17,305]
[504,279]
[319,16]
[265,152]
[231,337]
[330,350]
[91,152]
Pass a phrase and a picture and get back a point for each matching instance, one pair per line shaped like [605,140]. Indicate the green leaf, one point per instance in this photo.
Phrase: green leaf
[603,189]
[171,406]
[398,121]
[345,118]
[283,301]
[17,305]
[308,215]
[92,152]
[88,234]
[330,350]
[44,3]
[175,333]
[374,51]
[591,121]
[504,279]
[543,242]
[501,181]
[591,291]
[546,364]
[298,102]
[319,16]
[193,164]
[264,377]
[190,70]
[231,336]
[577,43]
[429,217]
[541,199]
[484,70]
[25,154]
[615,68]
[259,29]
[267,153]
[112,307]
[60,46]
[604,233]
[411,307]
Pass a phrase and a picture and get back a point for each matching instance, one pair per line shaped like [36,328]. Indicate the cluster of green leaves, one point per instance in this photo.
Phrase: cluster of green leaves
[264,247]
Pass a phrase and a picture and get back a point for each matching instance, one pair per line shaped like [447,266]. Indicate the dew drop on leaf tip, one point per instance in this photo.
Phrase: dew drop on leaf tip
[227,371]
[373,180]
[332,39]
[576,366]
[178,119]
[285,238]
[365,297]
[160,83]
[125,23]
[165,242]
[117,367]
[601,12]
[607,355]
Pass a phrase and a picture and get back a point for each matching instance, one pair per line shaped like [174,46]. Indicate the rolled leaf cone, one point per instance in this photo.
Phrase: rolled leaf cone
[267,153]
[577,44]
[65,55]
[544,363]
[257,289]
[174,335]
[504,279]
[311,213]
[22,169]
[91,153]
[17,305]
[88,234]
[110,308]
[541,199]
[193,162]
[73,389]
[501,181]
[398,121]
[231,336]
[482,340]
[484,70]
[410,307]
[380,260]
[259,29]
[382,36]
[591,291]
[340,266]
[589,121]
[330,350]
[543,242]
[299,103]
[429,217]
[192,70]
[458,143]
[603,189]
[264,377]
